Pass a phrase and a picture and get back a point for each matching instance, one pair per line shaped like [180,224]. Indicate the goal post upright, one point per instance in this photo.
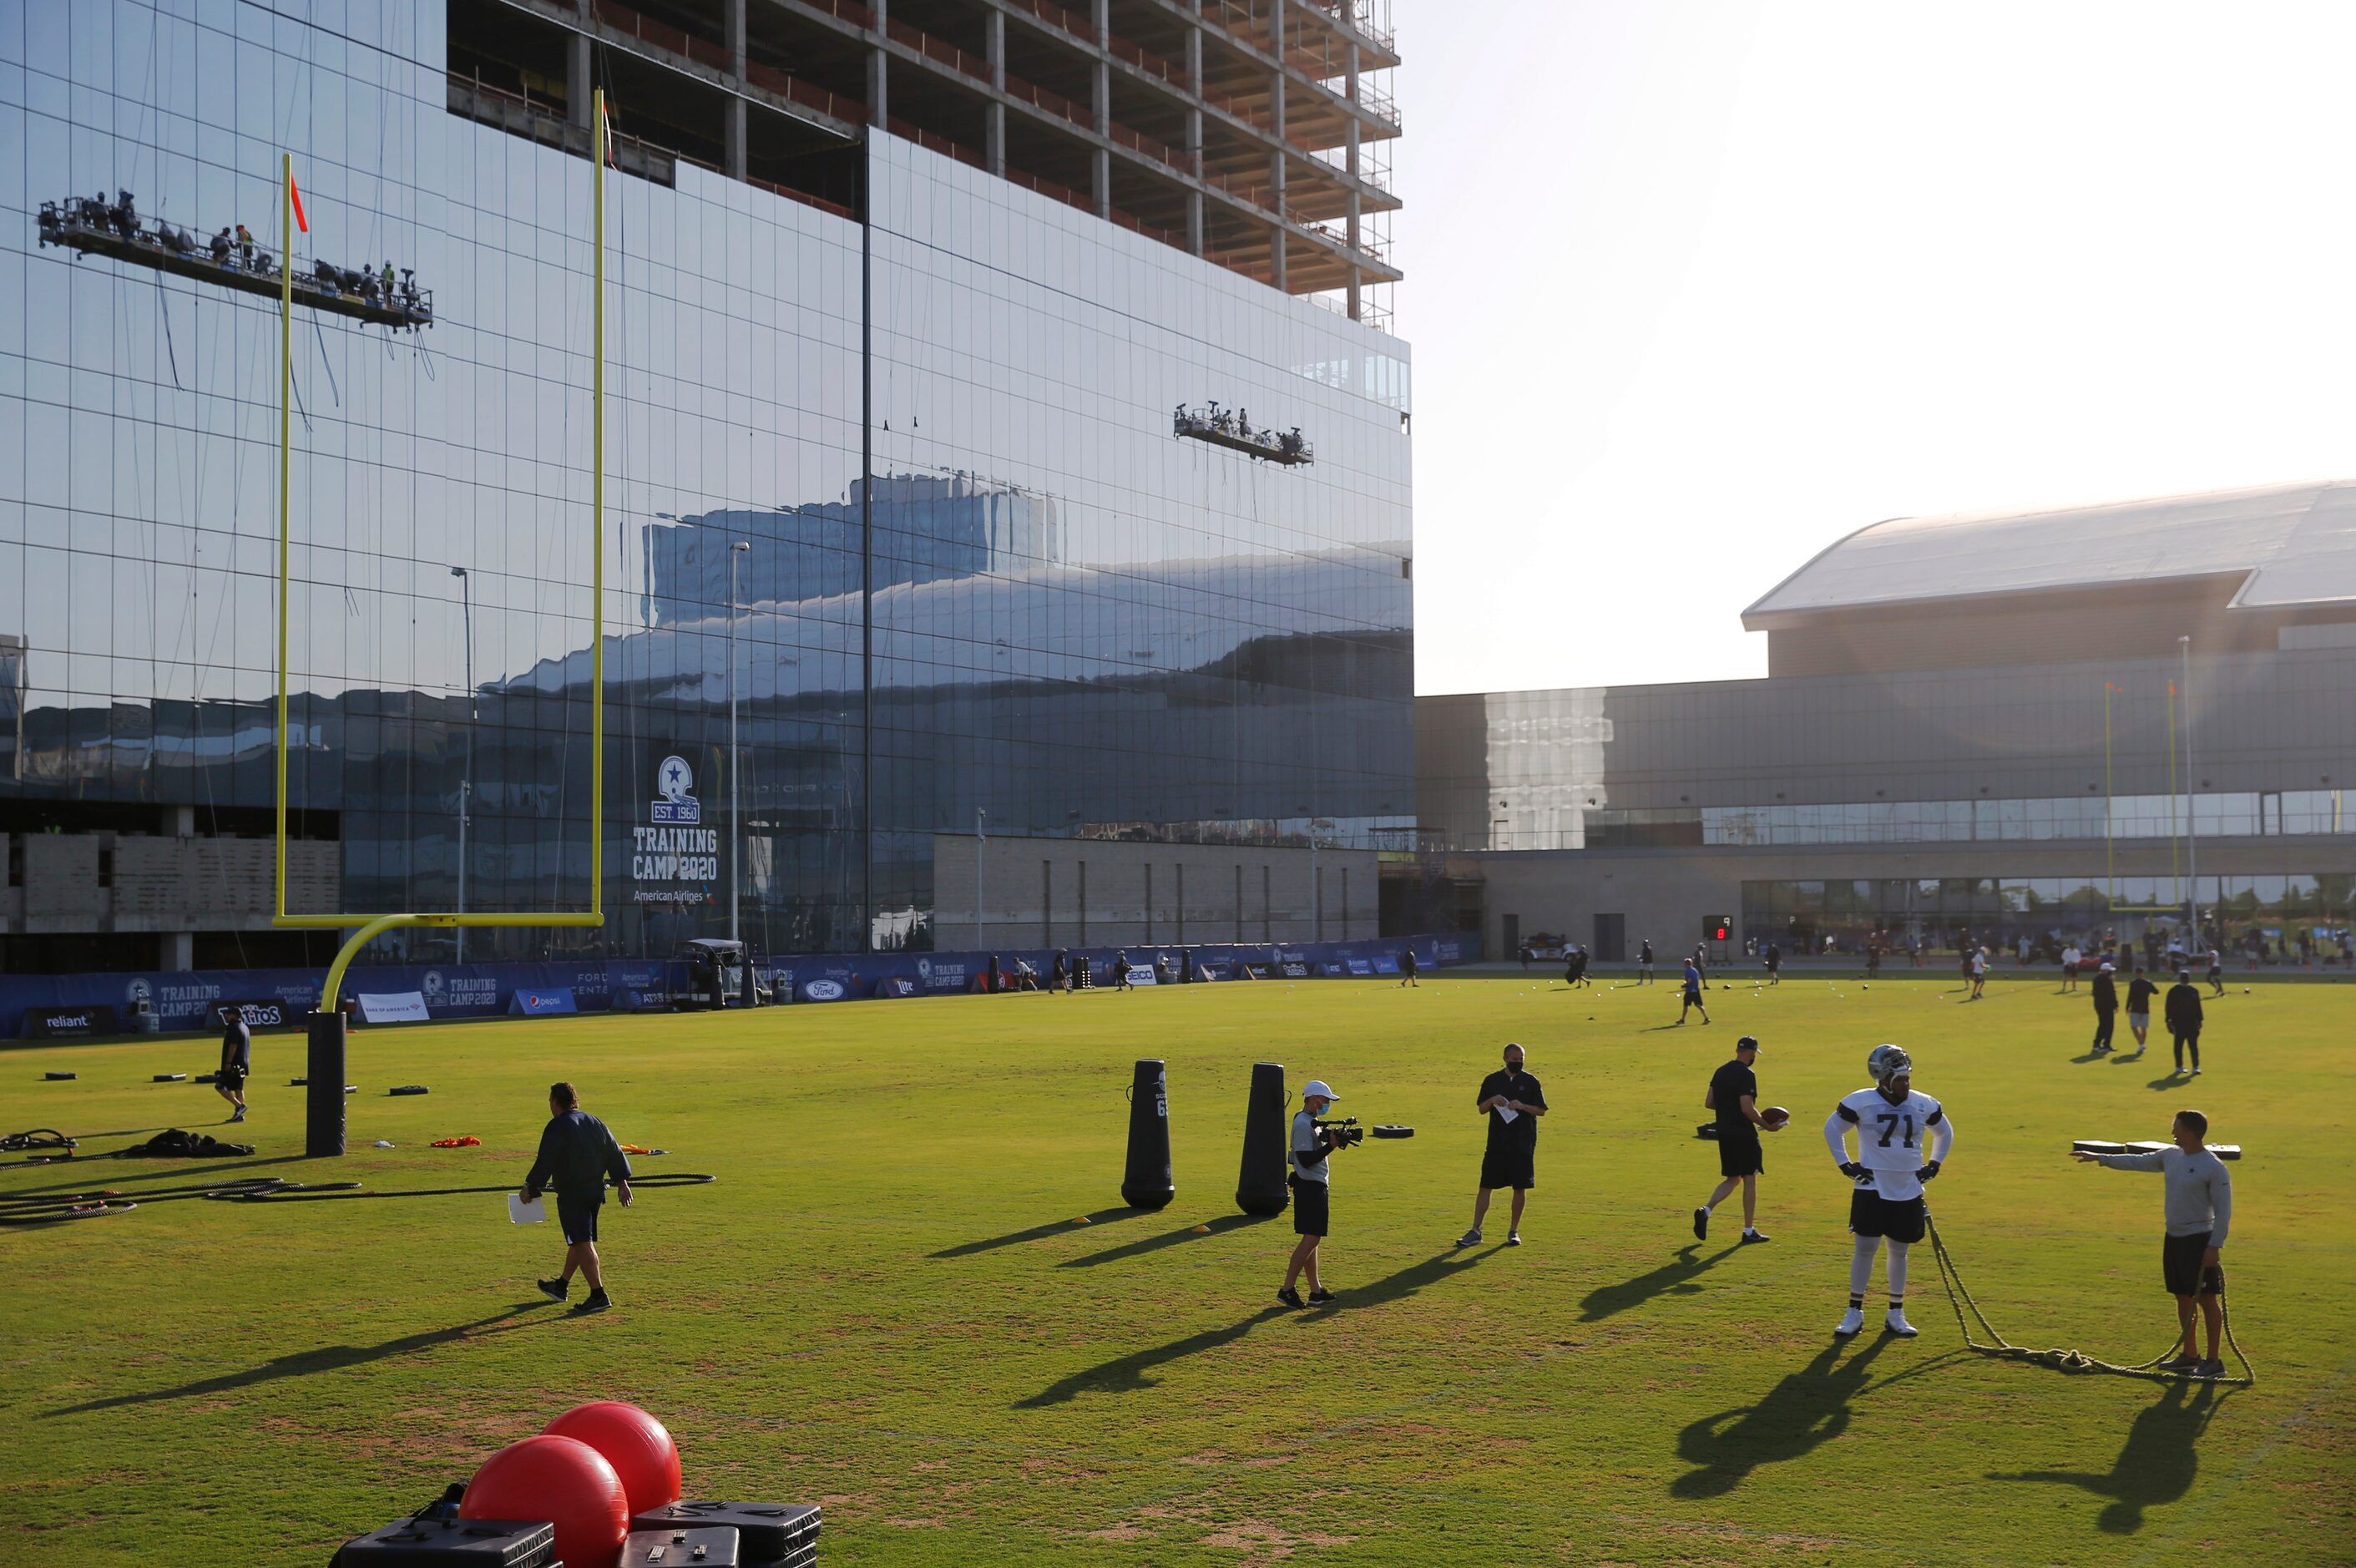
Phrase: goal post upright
[326,1055]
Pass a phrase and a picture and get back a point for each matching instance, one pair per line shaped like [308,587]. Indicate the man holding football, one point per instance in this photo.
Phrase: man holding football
[1893,1122]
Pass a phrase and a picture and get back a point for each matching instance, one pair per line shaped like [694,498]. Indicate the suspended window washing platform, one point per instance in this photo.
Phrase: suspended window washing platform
[1231,429]
[88,227]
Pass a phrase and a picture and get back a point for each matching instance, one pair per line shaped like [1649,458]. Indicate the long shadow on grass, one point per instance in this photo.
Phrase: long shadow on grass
[1127,1374]
[2156,1466]
[327,1359]
[1219,1227]
[1670,1278]
[1809,1407]
[1036,1233]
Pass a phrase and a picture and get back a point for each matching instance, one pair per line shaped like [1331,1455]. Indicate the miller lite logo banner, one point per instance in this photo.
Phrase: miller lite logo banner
[674,860]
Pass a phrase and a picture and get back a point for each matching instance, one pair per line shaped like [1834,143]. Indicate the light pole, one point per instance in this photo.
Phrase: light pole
[2191,823]
[1316,882]
[735,795]
[980,844]
[466,779]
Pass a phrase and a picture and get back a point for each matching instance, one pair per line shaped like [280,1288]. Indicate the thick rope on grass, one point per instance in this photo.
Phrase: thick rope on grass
[54,1208]
[295,1192]
[1959,1296]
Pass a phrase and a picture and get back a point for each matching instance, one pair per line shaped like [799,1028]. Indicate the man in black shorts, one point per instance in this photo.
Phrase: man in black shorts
[577,1153]
[236,1061]
[2199,1202]
[1513,1102]
[1733,1094]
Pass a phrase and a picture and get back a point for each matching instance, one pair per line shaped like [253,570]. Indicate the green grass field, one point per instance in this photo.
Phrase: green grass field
[884,1303]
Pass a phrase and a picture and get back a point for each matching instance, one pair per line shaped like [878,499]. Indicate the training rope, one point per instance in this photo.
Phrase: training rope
[295,1192]
[54,1208]
[1959,1296]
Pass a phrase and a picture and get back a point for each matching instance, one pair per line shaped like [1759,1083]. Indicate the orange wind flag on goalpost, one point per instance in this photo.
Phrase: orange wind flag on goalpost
[294,193]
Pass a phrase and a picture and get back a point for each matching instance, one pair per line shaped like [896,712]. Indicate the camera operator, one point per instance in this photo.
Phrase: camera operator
[1310,1146]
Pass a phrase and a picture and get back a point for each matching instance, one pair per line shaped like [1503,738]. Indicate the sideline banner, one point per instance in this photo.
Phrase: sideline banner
[186,1001]
[68,1022]
[393,1007]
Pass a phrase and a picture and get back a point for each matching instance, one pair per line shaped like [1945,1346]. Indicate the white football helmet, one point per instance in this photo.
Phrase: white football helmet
[1886,1062]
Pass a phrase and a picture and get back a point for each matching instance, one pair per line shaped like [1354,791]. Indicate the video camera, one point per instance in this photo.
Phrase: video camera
[1347,1130]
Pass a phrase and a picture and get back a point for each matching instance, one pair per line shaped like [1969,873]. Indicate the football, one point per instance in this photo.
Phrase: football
[1774,1116]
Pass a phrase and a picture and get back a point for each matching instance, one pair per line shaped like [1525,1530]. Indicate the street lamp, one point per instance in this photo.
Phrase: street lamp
[735,796]
[466,779]
[2192,820]
[980,845]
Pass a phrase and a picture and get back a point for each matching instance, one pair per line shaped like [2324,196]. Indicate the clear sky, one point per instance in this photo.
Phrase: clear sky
[1695,288]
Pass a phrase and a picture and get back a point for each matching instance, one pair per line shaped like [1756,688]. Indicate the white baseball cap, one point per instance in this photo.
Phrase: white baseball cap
[1319,1088]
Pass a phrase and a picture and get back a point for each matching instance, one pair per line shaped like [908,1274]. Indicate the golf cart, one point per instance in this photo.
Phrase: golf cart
[712,971]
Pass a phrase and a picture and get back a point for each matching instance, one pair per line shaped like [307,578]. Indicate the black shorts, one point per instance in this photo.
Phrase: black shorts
[1517,1168]
[1899,1219]
[2180,1268]
[232,1078]
[1741,1156]
[1693,996]
[578,1217]
[1311,1207]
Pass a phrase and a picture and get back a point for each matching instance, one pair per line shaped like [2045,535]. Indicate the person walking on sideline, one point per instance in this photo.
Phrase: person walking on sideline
[2217,971]
[1312,1192]
[2107,1009]
[1689,1000]
[2140,991]
[577,1153]
[2182,1011]
[1406,967]
[2069,967]
[1980,965]
[1645,963]
[2200,1207]
[1775,964]
[1734,1093]
[236,1061]
[1513,1102]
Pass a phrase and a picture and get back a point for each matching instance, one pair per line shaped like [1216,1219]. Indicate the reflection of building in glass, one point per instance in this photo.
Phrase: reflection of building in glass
[1972,723]
[1041,613]
[936,526]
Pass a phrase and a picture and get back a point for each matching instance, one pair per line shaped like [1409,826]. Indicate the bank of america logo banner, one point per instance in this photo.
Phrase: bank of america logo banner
[675,783]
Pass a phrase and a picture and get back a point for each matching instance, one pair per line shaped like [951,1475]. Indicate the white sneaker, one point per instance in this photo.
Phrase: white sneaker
[1897,1324]
[1851,1321]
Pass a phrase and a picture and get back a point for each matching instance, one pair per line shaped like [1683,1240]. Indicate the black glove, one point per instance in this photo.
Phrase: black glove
[1851,1169]
[1930,1168]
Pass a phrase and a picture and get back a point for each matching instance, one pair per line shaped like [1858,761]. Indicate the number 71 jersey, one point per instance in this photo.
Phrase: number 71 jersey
[1891,1139]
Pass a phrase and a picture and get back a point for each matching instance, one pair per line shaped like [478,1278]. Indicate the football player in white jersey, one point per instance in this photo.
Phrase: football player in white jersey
[1892,1123]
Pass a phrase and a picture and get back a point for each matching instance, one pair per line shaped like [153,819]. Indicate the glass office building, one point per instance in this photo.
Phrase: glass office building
[903,485]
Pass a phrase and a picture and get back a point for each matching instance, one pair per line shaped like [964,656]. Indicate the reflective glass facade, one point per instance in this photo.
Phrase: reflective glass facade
[1010,592]
[2264,919]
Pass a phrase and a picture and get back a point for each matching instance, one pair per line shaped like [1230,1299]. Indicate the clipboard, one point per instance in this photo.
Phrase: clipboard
[522,1213]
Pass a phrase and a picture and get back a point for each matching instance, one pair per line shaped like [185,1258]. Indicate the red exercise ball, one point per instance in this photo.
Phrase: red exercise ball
[637,1445]
[565,1481]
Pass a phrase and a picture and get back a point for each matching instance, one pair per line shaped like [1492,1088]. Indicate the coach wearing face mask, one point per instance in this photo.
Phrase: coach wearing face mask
[1512,1102]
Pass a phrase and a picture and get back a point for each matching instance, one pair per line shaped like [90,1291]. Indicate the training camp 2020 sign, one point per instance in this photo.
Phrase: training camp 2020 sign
[674,859]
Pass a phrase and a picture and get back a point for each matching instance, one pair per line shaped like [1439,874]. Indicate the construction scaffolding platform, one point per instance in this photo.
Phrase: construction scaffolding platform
[89,228]
[1223,427]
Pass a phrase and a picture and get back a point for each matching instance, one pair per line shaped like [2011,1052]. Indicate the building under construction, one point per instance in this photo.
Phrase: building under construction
[1252,133]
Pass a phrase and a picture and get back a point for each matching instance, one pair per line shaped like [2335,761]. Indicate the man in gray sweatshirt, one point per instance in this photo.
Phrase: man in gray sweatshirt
[2199,1212]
